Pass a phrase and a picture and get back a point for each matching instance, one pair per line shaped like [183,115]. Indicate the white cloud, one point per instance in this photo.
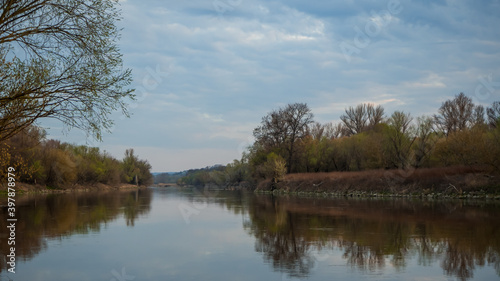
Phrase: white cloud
[227,71]
[433,80]
[211,118]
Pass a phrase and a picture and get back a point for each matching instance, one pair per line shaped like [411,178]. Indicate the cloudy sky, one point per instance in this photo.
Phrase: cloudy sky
[206,71]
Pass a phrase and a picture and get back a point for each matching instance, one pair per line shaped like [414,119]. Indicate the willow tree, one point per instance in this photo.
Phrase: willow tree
[59,59]
[401,137]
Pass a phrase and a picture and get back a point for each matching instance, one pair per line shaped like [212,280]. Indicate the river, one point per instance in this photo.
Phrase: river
[172,234]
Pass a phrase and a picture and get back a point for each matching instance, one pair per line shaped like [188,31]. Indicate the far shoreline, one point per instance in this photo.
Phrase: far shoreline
[449,182]
[458,182]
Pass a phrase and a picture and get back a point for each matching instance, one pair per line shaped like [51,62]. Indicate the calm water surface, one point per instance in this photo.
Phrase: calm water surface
[167,234]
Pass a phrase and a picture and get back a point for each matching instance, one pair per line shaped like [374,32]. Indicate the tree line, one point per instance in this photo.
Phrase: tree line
[288,140]
[57,164]
[60,60]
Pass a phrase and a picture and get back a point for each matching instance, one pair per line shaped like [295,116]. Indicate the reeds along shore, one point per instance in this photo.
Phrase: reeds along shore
[450,181]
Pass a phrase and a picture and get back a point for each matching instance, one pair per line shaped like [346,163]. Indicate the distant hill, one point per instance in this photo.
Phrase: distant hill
[168,177]
[169,173]
[173,177]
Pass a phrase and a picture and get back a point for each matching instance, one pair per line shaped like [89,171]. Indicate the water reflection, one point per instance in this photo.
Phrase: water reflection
[371,233]
[55,216]
[298,237]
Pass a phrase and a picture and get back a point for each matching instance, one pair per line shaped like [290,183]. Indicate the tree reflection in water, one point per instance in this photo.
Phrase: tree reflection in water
[294,234]
[55,216]
[372,233]
[280,244]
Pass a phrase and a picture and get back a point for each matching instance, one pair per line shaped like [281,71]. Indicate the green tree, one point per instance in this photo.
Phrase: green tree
[61,170]
[401,138]
[319,148]
[425,141]
[60,59]
[94,166]
[468,147]
[24,154]
[492,157]
[134,170]
[237,172]
[275,168]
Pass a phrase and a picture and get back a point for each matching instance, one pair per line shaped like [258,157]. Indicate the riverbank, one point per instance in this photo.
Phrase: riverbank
[449,182]
[37,188]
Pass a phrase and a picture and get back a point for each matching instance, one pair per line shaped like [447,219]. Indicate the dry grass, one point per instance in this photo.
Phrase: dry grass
[429,180]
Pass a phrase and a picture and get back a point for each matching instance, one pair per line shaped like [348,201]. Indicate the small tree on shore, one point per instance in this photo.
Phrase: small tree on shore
[136,171]
[274,168]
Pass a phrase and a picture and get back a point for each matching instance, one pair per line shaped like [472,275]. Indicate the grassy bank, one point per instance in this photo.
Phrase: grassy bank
[457,182]
[32,188]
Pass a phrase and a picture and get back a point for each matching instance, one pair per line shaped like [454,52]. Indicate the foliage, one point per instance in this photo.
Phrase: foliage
[274,168]
[60,59]
[468,147]
[168,177]
[201,177]
[235,174]
[60,165]
[425,141]
[95,166]
[401,138]
[134,170]
[365,140]
[281,129]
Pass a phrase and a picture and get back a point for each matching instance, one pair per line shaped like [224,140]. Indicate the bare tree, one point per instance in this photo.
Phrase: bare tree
[327,130]
[274,130]
[298,117]
[355,119]
[478,116]
[458,114]
[362,117]
[493,113]
[59,59]
[339,130]
[317,130]
[375,114]
[283,127]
